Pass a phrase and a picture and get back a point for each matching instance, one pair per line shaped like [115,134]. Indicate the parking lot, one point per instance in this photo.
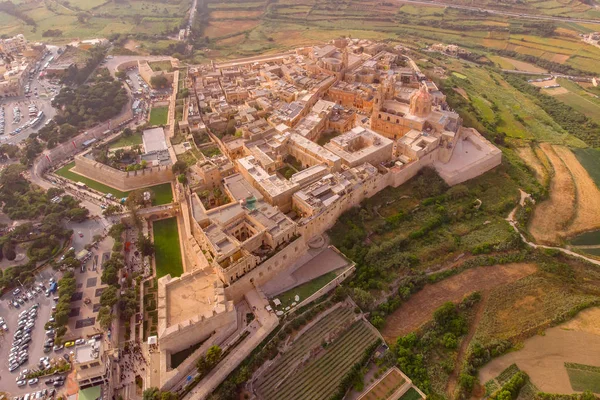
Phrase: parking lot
[36,345]
[16,115]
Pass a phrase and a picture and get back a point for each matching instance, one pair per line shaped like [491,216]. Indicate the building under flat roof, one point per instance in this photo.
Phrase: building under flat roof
[154,140]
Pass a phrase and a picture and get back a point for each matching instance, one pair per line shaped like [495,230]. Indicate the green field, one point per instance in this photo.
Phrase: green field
[163,193]
[160,65]
[167,248]
[159,116]
[124,141]
[305,290]
[587,239]
[102,18]
[590,160]
[584,377]
[66,172]
[411,394]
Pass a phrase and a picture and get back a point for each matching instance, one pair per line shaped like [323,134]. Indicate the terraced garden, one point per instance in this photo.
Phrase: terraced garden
[309,370]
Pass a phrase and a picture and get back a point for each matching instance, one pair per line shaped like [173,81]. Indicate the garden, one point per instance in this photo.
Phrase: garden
[332,358]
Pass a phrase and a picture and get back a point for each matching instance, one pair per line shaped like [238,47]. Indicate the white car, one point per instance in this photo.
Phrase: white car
[21,383]
[33,381]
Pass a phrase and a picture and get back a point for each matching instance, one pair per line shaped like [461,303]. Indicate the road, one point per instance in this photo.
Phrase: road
[500,12]
[572,77]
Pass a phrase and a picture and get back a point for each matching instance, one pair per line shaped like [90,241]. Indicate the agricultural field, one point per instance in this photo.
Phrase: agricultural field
[510,63]
[584,377]
[590,160]
[321,374]
[167,248]
[572,204]
[562,360]
[418,309]
[579,99]
[85,19]
[494,104]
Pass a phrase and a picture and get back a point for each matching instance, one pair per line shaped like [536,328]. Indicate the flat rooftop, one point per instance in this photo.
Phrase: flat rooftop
[154,140]
[240,188]
[190,296]
[88,352]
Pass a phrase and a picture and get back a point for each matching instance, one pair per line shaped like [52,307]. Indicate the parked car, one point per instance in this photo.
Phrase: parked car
[70,343]
[33,381]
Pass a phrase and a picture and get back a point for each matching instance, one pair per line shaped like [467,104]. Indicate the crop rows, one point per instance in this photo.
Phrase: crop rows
[308,341]
[321,377]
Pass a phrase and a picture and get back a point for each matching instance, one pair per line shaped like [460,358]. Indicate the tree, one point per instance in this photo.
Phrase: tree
[182,178]
[151,394]
[144,245]
[110,275]
[105,317]
[180,167]
[127,132]
[213,355]
[202,365]
[12,175]
[78,214]
[8,249]
[128,304]
[159,81]
[109,297]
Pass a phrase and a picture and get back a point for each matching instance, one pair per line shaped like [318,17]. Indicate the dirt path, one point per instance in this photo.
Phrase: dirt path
[462,351]
[552,217]
[420,307]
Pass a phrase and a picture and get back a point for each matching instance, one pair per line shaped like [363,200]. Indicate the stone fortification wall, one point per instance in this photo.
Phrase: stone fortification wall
[184,334]
[170,377]
[68,149]
[319,223]
[122,180]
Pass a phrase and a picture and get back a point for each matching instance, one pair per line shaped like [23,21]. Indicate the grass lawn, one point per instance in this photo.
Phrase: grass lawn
[124,141]
[66,172]
[162,193]
[583,379]
[159,115]
[304,290]
[166,248]
[160,65]
[411,394]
